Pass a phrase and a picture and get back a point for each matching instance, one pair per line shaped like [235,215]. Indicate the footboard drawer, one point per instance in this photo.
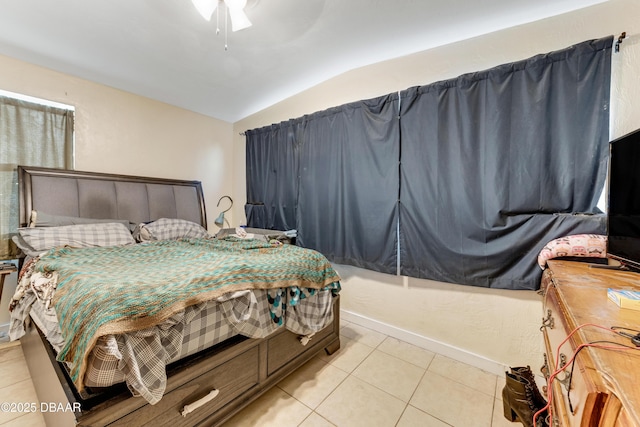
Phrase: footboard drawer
[286,346]
[241,369]
[231,379]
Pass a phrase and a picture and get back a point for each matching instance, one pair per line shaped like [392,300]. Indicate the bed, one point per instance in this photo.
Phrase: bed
[215,322]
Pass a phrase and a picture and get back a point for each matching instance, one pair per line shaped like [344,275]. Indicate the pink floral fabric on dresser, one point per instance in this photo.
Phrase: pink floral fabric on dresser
[577,245]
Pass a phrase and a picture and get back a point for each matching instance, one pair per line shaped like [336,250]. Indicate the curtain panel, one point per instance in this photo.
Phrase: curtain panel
[31,134]
[497,163]
[347,206]
[272,175]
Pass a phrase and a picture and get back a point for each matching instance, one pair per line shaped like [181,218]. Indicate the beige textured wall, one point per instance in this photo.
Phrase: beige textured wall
[118,132]
[490,328]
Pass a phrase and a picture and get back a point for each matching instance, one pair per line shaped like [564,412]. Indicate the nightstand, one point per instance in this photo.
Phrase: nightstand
[4,272]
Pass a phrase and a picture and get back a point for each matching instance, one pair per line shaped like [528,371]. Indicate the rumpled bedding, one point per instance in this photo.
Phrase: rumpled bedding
[140,357]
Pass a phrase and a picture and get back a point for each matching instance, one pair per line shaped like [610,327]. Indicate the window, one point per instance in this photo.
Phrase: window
[33,132]
[473,174]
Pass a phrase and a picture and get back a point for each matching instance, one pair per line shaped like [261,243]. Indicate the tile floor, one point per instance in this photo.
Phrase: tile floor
[16,386]
[373,380]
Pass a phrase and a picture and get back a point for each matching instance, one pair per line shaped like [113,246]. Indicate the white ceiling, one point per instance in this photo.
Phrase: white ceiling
[164,50]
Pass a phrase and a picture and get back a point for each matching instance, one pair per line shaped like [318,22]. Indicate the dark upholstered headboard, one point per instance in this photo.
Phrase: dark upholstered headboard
[108,196]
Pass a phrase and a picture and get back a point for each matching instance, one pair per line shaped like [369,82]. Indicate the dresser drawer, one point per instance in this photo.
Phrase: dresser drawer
[231,379]
[577,397]
[604,389]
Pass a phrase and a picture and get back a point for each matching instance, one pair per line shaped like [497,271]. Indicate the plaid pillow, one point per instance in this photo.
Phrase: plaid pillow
[169,228]
[43,219]
[41,239]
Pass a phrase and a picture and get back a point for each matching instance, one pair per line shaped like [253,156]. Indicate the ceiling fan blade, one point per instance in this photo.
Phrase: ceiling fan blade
[206,7]
[239,19]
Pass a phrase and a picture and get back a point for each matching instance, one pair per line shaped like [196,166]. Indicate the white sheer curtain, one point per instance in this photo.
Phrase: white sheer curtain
[31,134]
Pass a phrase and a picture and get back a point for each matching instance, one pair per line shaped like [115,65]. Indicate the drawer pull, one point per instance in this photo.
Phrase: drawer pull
[304,340]
[566,381]
[563,360]
[548,321]
[545,368]
[198,403]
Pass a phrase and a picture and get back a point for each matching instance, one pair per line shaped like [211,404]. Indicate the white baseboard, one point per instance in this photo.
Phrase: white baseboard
[444,349]
[435,346]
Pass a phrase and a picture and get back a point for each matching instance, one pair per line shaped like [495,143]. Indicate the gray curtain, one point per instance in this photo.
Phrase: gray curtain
[31,134]
[347,205]
[497,163]
[272,175]
[462,181]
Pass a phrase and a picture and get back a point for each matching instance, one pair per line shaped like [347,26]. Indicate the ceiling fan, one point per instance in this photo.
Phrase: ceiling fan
[239,19]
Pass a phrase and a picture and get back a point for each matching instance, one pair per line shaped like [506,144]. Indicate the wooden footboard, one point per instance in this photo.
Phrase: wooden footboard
[239,369]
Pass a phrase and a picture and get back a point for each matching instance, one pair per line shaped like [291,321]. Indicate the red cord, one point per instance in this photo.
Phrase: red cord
[570,361]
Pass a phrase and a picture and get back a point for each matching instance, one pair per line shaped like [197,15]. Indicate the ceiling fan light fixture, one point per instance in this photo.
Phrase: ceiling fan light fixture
[234,10]
[206,7]
[239,19]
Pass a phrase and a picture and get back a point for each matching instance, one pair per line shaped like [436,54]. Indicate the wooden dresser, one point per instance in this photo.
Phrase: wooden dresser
[604,389]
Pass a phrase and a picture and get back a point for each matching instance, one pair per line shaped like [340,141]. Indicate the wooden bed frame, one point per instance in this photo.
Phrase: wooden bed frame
[241,369]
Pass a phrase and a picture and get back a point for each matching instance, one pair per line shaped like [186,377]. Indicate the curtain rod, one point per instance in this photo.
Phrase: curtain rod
[620,38]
